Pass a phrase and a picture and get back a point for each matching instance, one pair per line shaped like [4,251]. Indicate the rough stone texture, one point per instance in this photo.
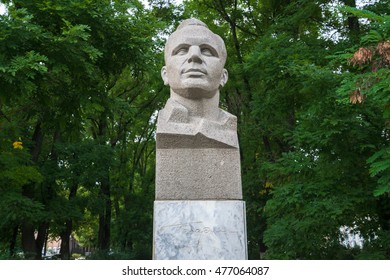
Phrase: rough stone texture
[174,122]
[197,212]
[198,174]
[196,158]
[199,230]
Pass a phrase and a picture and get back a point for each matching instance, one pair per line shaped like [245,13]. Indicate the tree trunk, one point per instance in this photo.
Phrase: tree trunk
[12,244]
[37,140]
[28,230]
[353,23]
[28,241]
[105,196]
[105,217]
[40,240]
[65,240]
[65,234]
[45,245]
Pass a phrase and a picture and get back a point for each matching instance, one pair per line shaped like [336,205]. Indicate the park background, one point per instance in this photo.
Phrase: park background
[80,89]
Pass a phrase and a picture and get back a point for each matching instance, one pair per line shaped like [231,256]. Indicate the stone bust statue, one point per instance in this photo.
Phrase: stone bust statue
[194,71]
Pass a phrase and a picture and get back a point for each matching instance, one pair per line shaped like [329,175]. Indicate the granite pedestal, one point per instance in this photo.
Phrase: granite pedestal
[198,174]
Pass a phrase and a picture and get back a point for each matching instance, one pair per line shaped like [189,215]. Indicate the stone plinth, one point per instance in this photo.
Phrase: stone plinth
[199,230]
[198,174]
[198,211]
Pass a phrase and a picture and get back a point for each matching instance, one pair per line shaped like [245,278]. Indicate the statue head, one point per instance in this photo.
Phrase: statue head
[194,61]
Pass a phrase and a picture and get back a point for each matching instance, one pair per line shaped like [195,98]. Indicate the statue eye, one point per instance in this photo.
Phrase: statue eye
[181,51]
[207,52]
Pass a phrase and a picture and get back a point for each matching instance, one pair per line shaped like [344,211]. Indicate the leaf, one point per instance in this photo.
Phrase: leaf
[372,37]
[382,189]
[362,13]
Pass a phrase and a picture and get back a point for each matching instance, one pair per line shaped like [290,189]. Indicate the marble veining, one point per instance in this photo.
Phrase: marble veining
[201,230]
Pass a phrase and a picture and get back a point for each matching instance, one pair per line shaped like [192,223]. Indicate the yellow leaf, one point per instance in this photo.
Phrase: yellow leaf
[18,145]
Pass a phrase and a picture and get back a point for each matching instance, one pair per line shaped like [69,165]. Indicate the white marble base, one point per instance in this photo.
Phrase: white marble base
[199,230]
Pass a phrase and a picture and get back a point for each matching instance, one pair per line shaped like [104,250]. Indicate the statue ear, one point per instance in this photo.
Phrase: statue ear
[164,75]
[224,78]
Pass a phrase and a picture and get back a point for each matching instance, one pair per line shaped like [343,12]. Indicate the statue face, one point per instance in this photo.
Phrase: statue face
[194,63]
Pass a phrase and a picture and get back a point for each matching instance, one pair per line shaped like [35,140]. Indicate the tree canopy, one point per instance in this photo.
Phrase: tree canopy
[80,88]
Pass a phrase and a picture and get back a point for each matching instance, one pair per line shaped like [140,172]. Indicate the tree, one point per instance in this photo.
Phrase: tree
[323,185]
[79,93]
[16,170]
[56,64]
[304,154]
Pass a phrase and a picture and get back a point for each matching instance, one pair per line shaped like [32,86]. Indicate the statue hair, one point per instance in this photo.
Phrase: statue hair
[193,22]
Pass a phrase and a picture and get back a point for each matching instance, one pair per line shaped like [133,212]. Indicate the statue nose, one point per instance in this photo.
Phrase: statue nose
[195,55]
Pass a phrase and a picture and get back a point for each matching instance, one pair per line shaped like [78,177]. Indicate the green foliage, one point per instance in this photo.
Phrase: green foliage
[73,76]
[370,81]
[326,181]
[365,14]
[16,170]
[316,189]
[80,88]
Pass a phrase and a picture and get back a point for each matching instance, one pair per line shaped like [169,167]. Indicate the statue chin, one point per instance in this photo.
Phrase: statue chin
[195,92]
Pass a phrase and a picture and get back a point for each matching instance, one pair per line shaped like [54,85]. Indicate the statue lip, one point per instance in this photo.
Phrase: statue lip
[195,70]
